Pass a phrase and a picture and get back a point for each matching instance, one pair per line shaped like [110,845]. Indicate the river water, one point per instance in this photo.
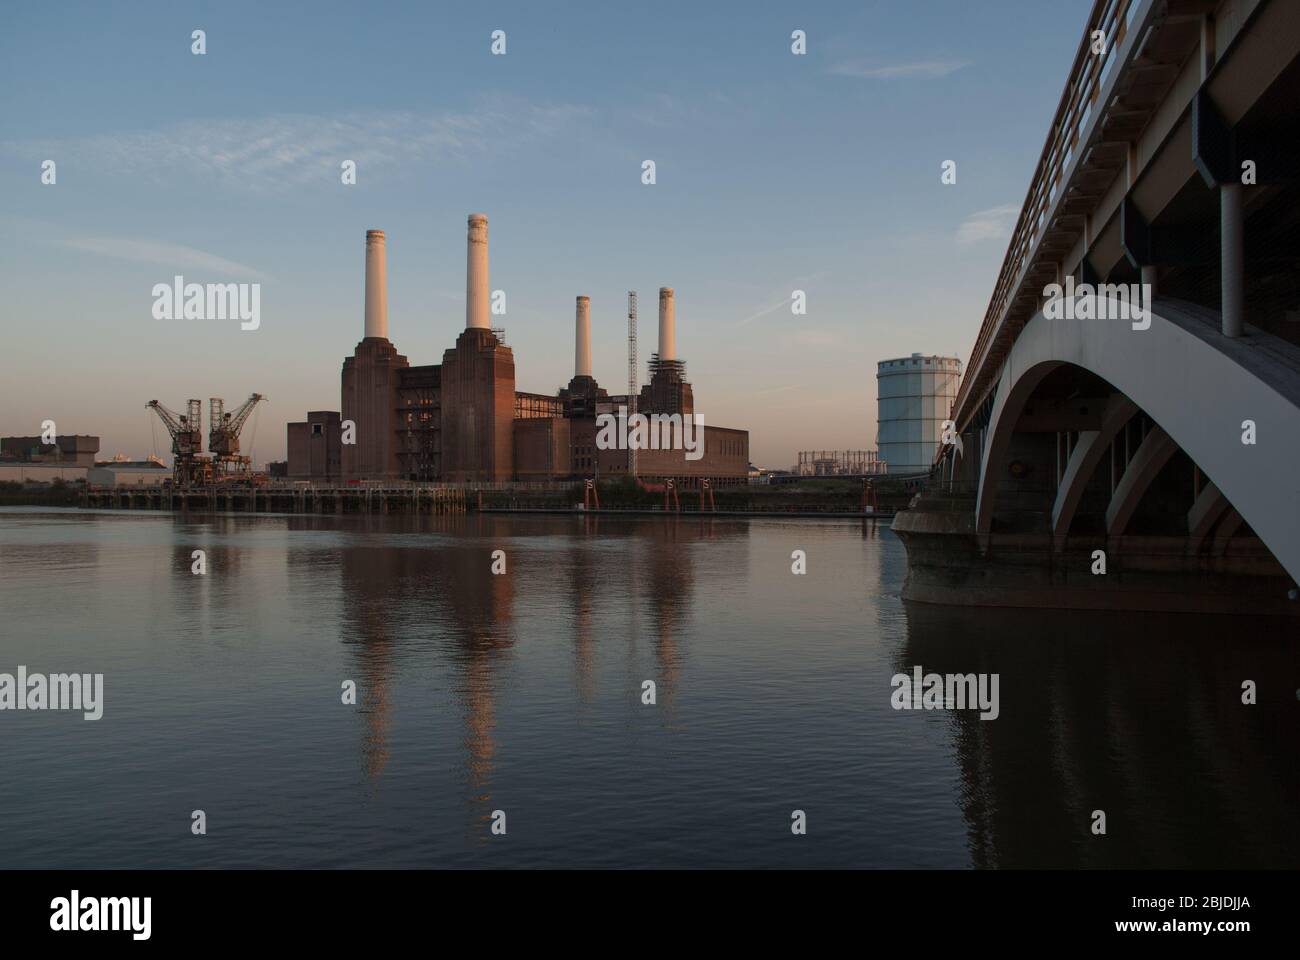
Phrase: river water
[522,693]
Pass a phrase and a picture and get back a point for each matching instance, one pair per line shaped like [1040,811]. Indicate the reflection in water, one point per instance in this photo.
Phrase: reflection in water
[369,578]
[1139,716]
[432,584]
[583,586]
[665,584]
[480,605]
[522,692]
[437,577]
[662,583]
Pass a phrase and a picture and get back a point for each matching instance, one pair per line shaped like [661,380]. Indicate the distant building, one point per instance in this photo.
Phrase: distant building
[28,460]
[72,450]
[18,471]
[316,447]
[914,397]
[463,420]
[128,473]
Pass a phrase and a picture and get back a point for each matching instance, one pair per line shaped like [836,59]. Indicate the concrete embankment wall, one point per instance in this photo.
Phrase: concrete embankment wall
[949,564]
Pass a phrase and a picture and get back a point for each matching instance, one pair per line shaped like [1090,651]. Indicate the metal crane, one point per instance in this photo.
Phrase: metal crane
[188,466]
[223,436]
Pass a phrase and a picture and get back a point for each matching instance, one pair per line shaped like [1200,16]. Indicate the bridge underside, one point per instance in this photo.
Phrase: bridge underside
[1123,468]
[1109,463]
[1171,220]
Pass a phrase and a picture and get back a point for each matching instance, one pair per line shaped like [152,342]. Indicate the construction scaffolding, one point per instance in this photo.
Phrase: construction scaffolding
[632,374]
[839,463]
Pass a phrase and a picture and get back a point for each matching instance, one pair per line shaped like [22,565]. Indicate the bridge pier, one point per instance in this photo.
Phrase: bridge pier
[1104,440]
[1152,454]
[1232,232]
[1209,507]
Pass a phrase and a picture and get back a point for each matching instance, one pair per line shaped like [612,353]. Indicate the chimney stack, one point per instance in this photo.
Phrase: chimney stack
[667,325]
[376,285]
[582,339]
[476,279]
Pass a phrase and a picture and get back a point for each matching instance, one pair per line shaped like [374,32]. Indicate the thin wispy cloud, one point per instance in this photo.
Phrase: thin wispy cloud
[783,302]
[994,223]
[171,255]
[927,69]
[288,150]
[798,283]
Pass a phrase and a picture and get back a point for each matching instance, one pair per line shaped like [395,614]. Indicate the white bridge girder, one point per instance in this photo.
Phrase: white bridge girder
[1199,387]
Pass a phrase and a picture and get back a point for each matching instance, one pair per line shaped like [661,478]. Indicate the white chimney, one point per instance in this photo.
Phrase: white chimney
[476,278]
[667,325]
[582,339]
[376,285]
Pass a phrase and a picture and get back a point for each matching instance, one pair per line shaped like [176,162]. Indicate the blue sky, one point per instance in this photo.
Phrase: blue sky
[775,172]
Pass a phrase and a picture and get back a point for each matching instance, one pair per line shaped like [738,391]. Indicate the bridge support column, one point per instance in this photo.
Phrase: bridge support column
[1228,526]
[1232,258]
[1210,505]
[1087,454]
[1149,281]
[1152,454]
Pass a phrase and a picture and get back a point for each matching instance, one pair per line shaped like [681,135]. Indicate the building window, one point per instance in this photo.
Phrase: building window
[315,429]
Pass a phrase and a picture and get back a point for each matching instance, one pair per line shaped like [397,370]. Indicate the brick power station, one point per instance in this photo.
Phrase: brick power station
[463,421]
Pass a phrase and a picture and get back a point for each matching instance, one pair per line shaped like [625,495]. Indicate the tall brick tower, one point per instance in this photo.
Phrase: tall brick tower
[370,379]
[668,390]
[478,382]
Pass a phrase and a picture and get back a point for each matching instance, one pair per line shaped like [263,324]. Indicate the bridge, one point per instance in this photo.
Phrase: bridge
[1127,432]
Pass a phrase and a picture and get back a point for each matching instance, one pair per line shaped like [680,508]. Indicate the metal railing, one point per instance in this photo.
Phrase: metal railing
[1077,108]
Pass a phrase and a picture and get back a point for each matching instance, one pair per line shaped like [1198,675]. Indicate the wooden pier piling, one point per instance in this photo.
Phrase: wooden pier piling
[284,498]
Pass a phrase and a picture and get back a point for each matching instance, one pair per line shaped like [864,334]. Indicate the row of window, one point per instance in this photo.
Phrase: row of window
[728,446]
[950,362]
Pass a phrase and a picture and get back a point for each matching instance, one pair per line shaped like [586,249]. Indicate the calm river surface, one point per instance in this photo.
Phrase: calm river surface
[522,693]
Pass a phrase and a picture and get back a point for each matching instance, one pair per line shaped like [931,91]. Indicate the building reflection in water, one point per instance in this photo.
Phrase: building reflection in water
[479,608]
[372,575]
[654,580]
[404,592]
[584,582]
[665,582]
[1137,715]
[418,594]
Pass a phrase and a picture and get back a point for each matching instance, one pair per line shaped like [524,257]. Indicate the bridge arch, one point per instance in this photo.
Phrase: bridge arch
[1197,385]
